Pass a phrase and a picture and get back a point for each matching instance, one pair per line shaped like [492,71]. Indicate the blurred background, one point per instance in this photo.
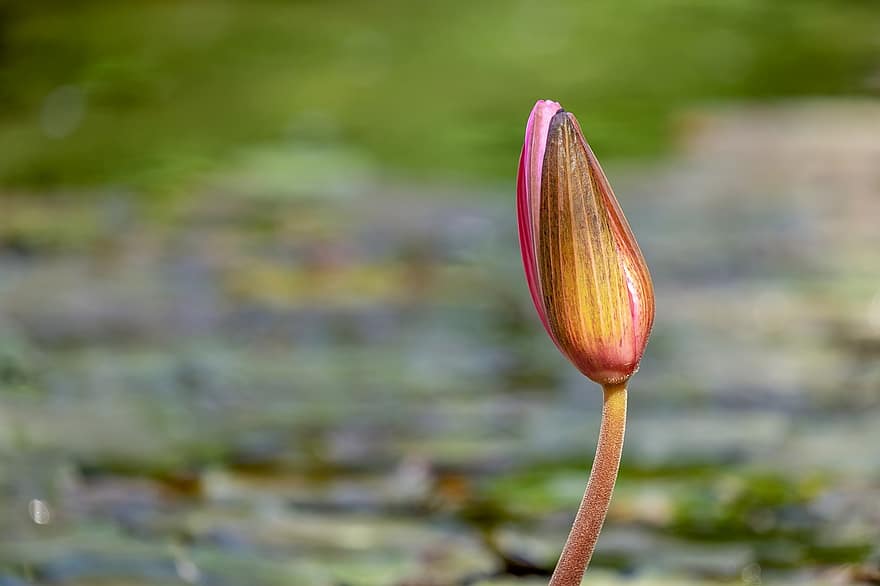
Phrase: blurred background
[263,319]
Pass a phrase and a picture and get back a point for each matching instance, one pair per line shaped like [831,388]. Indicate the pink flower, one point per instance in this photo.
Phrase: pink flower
[584,269]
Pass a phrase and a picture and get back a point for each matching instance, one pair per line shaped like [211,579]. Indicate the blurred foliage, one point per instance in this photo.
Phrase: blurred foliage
[328,390]
[151,95]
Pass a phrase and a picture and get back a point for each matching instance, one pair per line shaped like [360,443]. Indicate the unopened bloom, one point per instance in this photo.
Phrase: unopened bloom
[584,269]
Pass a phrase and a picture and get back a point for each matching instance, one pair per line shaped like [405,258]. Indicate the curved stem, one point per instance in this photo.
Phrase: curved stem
[585,531]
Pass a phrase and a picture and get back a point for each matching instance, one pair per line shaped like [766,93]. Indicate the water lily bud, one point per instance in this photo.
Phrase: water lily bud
[584,269]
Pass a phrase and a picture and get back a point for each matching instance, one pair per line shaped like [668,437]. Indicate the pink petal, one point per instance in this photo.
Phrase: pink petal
[528,196]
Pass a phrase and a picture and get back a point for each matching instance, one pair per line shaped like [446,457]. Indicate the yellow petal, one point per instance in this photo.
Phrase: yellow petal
[593,278]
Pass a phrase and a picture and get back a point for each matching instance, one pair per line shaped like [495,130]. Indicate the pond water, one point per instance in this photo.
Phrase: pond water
[354,390]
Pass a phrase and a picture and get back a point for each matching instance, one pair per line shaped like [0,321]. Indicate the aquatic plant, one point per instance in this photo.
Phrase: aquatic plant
[591,288]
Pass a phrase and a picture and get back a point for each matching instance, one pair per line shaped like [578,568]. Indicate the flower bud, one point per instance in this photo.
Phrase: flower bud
[584,269]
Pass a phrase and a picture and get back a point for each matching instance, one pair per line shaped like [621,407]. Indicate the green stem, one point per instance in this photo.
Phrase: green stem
[591,515]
